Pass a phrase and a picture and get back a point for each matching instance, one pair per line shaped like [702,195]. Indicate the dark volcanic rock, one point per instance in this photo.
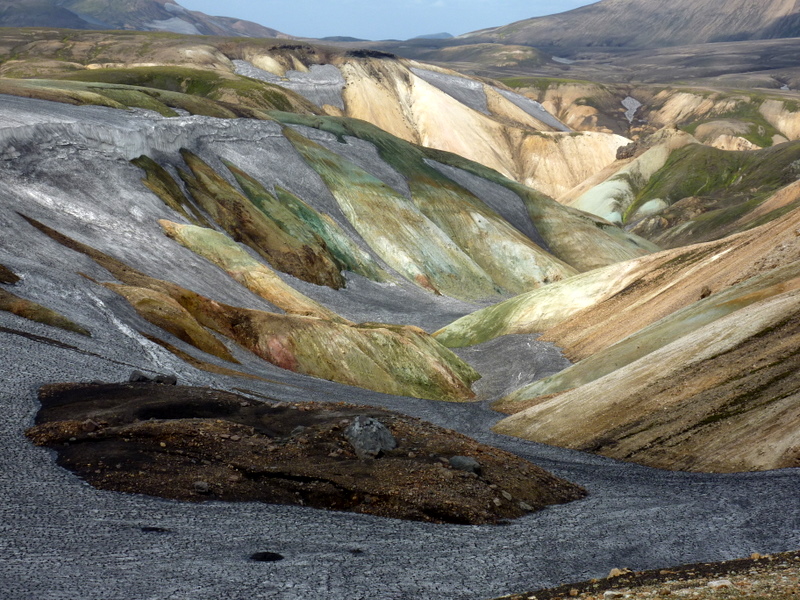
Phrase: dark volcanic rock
[466,463]
[8,276]
[369,437]
[628,151]
[139,377]
[266,557]
[199,444]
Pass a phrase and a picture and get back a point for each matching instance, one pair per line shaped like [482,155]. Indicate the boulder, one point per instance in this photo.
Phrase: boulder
[139,377]
[628,151]
[466,463]
[369,437]
[201,487]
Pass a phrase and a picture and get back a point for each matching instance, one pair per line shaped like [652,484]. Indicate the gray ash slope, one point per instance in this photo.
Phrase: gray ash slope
[64,539]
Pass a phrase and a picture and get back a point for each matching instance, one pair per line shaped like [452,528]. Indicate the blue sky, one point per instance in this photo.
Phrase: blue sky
[381,19]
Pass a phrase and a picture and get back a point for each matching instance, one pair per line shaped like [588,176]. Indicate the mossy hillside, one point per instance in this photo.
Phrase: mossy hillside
[241,266]
[513,261]
[390,359]
[659,334]
[540,309]
[694,220]
[237,215]
[487,55]
[567,232]
[120,97]
[744,109]
[541,84]
[165,312]
[308,226]
[395,228]
[732,181]
[205,83]
[344,250]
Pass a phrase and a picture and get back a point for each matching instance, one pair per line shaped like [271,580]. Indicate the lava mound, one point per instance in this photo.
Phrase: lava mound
[197,444]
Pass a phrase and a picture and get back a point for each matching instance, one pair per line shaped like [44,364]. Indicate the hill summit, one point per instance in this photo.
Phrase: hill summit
[652,24]
[143,15]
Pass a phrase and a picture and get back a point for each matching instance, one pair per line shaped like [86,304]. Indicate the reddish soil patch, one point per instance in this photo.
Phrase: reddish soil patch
[200,444]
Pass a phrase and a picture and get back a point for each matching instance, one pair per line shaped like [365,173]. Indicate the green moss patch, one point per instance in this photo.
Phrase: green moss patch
[709,189]
[33,311]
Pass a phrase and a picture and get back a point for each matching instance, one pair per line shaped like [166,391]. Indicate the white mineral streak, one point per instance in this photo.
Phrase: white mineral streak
[534,109]
[467,91]
[633,105]
[322,84]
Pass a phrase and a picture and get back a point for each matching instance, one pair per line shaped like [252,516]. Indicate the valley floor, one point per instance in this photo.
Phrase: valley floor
[64,539]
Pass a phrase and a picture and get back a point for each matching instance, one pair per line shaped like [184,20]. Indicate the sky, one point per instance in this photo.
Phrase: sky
[380,19]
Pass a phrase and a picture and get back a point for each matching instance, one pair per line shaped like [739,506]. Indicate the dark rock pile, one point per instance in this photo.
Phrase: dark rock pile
[199,444]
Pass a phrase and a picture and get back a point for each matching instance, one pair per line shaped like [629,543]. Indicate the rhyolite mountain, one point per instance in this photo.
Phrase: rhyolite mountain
[616,24]
[144,15]
[245,158]
[304,236]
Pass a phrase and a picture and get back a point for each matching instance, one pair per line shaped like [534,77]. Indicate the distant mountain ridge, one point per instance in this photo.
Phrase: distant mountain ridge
[142,15]
[652,23]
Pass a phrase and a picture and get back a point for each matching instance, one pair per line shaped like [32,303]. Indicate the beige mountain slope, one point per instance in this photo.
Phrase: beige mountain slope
[611,192]
[422,104]
[722,398]
[590,312]
[690,364]
[650,23]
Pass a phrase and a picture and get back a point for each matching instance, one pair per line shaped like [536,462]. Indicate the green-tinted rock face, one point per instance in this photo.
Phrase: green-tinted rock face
[392,359]
[246,223]
[395,228]
[343,250]
[33,311]
[314,229]
[228,255]
[566,231]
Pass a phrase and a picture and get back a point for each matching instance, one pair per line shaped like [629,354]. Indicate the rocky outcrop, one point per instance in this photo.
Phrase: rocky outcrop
[200,444]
